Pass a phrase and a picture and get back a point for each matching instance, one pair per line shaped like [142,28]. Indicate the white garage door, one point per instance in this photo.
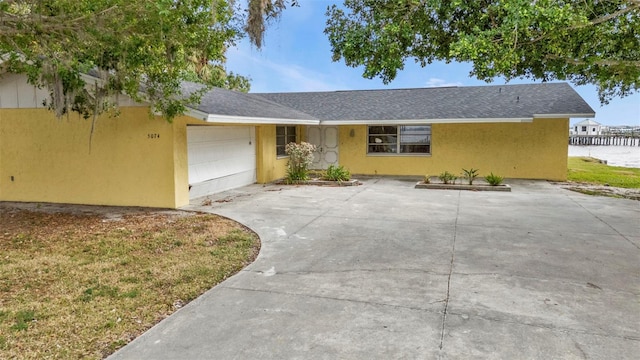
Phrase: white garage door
[220,158]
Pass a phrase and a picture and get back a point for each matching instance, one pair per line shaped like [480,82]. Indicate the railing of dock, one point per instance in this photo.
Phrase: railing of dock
[604,140]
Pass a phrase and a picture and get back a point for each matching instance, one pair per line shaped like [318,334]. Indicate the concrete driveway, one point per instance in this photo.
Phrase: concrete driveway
[386,271]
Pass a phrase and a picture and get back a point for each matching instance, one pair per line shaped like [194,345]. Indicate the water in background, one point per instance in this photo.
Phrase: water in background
[627,156]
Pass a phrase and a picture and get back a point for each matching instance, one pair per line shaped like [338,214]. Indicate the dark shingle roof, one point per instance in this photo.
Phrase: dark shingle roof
[232,103]
[473,102]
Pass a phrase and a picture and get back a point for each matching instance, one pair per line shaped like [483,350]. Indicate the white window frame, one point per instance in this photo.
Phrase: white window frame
[393,141]
[286,138]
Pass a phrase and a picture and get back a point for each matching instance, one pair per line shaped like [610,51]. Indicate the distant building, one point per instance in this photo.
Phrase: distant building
[587,127]
[624,130]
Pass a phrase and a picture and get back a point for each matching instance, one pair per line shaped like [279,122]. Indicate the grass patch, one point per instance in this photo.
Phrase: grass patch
[22,320]
[81,286]
[591,171]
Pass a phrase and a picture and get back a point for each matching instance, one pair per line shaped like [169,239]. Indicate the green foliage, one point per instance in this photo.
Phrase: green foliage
[585,42]
[23,318]
[427,179]
[300,158]
[494,180]
[337,173]
[589,170]
[128,46]
[470,174]
[447,177]
[98,290]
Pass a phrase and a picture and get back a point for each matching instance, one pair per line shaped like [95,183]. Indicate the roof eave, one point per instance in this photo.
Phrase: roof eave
[231,119]
[572,115]
[427,121]
[90,78]
[196,114]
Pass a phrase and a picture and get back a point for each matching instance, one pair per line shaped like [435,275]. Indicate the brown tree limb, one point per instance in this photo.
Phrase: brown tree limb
[634,63]
[600,20]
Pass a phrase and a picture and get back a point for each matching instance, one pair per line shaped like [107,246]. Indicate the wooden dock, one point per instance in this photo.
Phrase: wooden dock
[604,140]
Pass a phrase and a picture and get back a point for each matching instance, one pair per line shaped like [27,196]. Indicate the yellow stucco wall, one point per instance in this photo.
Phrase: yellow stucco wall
[142,161]
[131,160]
[536,150]
[269,167]
[134,160]
[180,160]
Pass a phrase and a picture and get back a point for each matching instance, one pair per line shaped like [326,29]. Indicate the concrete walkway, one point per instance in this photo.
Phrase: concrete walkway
[386,271]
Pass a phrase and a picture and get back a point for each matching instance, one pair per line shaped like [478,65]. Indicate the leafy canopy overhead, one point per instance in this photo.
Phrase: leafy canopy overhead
[142,48]
[584,41]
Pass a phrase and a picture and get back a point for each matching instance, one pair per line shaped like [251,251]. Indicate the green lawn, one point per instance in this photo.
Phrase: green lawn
[589,170]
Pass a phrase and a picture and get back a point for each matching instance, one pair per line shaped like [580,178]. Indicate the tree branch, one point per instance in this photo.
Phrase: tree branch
[94,14]
[600,20]
[634,63]
[605,18]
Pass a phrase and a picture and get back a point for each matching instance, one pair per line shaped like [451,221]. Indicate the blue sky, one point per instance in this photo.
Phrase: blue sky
[296,56]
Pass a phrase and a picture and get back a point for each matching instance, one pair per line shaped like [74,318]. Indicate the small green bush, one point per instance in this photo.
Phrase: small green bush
[470,175]
[494,180]
[447,177]
[427,179]
[337,173]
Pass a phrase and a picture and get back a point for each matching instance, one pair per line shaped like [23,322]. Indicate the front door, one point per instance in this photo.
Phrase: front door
[325,138]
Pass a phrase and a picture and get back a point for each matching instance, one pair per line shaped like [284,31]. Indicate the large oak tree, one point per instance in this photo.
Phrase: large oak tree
[142,48]
[584,41]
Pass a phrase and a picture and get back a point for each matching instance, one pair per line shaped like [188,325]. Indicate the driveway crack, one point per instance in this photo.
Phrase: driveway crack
[354,270]
[554,328]
[567,282]
[606,223]
[453,256]
[334,298]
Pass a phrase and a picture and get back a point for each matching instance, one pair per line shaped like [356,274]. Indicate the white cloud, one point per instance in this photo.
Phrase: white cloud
[269,76]
[435,82]
[299,78]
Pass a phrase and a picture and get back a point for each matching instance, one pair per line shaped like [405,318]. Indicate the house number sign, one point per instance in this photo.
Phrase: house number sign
[153,136]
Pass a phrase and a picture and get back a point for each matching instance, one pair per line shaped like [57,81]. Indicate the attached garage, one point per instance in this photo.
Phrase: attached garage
[220,158]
